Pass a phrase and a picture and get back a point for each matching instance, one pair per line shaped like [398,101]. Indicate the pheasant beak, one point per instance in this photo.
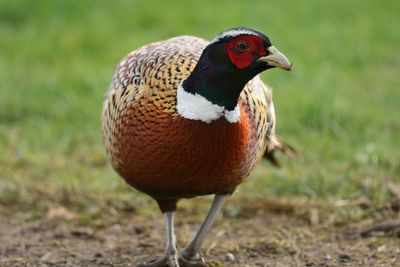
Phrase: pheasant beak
[276,59]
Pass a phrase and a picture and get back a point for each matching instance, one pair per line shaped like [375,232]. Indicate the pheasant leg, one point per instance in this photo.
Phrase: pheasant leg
[171,253]
[191,252]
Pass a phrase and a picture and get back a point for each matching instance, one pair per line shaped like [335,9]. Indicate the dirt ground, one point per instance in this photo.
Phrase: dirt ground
[250,238]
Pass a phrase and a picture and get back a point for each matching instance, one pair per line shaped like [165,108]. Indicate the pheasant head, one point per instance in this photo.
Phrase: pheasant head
[229,61]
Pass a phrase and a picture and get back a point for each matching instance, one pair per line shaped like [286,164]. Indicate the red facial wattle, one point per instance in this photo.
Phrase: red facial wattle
[245,58]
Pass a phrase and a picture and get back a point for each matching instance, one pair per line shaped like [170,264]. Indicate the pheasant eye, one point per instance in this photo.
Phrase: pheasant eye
[242,46]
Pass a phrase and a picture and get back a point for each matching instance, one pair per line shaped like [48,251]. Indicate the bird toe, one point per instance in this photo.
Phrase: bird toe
[166,261]
[194,262]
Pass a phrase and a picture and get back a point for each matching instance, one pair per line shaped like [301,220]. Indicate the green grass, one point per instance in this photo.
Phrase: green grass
[339,107]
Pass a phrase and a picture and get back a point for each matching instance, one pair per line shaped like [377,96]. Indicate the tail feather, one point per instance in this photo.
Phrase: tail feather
[281,146]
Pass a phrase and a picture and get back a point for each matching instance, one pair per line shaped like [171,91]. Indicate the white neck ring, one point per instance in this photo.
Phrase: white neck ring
[197,107]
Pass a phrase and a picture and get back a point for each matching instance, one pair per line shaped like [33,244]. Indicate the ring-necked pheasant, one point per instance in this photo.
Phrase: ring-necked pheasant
[185,117]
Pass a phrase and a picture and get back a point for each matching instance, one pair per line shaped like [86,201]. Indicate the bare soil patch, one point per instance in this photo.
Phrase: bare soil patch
[256,238]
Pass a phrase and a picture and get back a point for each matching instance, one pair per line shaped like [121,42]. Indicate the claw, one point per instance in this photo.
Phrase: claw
[166,261]
[173,261]
[196,261]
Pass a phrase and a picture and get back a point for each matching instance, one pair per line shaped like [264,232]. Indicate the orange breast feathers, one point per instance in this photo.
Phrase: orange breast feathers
[170,157]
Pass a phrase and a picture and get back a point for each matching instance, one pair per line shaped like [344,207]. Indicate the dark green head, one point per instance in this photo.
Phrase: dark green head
[230,60]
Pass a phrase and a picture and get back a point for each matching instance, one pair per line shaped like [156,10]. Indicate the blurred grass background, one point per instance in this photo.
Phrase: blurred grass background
[339,106]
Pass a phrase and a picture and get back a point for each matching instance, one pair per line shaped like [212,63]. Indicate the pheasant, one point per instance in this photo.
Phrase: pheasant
[185,117]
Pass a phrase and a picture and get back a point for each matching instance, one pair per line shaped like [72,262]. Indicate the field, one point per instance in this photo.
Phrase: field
[61,204]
